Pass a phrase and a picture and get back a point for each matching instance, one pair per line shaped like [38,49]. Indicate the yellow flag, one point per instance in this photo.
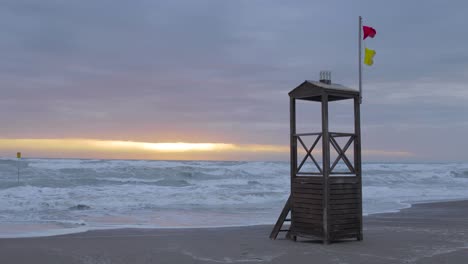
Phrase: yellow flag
[369,56]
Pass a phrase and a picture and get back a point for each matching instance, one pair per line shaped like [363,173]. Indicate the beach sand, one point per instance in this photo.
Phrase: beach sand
[425,233]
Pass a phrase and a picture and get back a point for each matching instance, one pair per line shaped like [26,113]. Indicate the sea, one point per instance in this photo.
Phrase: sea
[43,197]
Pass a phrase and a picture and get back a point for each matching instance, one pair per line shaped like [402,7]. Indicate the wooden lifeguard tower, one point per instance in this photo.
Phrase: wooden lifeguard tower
[326,204]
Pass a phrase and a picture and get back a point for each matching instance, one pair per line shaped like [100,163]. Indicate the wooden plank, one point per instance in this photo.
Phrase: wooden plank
[344,232]
[309,206]
[308,216]
[344,212]
[305,185]
[344,206]
[343,236]
[352,226]
[308,174]
[345,191]
[342,173]
[309,202]
[345,196]
[306,212]
[344,201]
[306,232]
[309,209]
[306,208]
[302,200]
[297,186]
[308,134]
[340,134]
[307,228]
[344,216]
[307,191]
[310,236]
[341,180]
[309,179]
[307,195]
[318,179]
[315,221]
[317,230]
[309,221]
[304,188]
[308,184]
[344,186]
[338,221]
[310,226]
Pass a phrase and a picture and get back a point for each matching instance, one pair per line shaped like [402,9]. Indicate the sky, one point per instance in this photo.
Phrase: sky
[209,79]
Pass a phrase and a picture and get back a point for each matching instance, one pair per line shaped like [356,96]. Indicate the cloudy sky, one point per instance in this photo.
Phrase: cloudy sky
[150,72]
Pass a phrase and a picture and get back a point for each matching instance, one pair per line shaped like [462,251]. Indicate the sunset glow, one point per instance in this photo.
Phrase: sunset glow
[165,147]
[92,148]
[119,149]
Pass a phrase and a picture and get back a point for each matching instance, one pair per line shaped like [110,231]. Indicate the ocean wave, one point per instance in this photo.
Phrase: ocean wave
[172,183]
[80,207]
[52,190]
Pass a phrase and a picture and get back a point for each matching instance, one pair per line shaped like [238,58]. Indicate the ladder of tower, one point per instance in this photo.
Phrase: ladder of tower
[281,219]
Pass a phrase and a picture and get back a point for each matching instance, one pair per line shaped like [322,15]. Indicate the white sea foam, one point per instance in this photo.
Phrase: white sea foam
[189,193]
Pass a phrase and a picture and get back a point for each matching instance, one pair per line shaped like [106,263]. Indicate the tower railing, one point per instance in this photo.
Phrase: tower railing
[340,150]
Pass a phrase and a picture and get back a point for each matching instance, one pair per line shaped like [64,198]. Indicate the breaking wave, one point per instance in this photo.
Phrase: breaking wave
[120,193]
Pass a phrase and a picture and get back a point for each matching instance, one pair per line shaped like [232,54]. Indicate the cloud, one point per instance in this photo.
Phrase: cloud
[219,71]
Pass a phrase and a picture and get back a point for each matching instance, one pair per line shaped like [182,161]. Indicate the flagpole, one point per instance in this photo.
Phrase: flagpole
[360,60]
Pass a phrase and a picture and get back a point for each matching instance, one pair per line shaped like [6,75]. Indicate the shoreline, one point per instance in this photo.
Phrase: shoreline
[424,233]
[83,228]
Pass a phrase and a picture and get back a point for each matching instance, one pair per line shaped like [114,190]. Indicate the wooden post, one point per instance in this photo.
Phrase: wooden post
[326,167]
[357,157]
[293,149]
[18,156]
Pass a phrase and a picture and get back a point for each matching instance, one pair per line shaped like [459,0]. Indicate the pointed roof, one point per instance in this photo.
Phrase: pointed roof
[313,91]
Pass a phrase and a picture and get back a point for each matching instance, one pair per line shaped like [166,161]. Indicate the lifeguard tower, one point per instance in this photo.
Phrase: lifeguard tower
[325,204]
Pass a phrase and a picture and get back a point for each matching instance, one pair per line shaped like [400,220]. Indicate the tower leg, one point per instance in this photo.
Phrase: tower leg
[291,237]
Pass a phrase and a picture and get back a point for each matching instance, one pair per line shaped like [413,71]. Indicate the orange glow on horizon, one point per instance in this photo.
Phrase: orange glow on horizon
[129,149]
[119,149]
[165,147]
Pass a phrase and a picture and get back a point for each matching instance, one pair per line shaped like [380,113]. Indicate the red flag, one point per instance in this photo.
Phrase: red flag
[369,32]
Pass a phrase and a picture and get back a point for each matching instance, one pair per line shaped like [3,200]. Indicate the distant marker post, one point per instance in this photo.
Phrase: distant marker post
[18,156]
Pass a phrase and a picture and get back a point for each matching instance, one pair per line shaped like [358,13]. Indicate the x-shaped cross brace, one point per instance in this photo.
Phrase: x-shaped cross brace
[309,153]
[341,153]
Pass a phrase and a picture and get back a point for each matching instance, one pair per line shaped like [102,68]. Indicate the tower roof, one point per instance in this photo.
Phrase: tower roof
[313,91]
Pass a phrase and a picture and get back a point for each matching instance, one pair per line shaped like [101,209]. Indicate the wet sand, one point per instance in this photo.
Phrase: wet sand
[425,233]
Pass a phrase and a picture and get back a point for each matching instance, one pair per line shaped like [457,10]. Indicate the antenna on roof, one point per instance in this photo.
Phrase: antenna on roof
[325,77]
